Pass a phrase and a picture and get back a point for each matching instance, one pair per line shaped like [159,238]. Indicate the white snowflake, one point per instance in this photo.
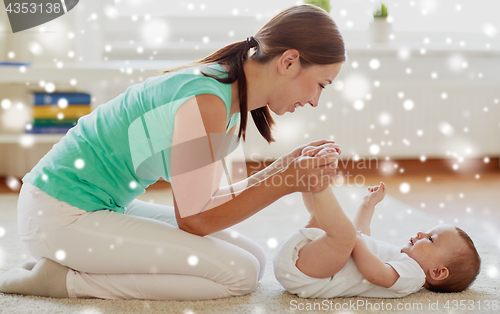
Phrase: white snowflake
[492,271]
[192,260]
[272,243]
[50,87]
[385,118]
[79,163]
[60,255]
[408,104]
[13,183]
[404,187]
[374,149]
[359,105]
[6,103]
[374,64]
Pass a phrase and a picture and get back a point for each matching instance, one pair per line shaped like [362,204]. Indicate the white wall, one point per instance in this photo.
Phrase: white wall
[184,38]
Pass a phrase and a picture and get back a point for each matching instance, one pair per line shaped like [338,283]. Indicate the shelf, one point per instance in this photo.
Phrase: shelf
[124,66]
[85,71]
[30,138]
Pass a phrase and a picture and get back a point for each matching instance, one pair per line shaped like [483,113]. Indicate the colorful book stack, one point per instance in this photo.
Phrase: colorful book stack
[58,112]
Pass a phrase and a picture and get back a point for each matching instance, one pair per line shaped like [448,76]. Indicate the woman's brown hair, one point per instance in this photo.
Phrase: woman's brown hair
[307,28]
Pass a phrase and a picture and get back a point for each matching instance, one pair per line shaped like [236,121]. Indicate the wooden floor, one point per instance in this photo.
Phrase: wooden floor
[445,193]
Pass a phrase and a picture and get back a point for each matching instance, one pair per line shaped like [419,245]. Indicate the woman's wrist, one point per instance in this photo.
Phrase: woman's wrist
[284,182]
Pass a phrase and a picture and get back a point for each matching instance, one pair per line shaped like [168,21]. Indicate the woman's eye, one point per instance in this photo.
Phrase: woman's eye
[321,86]
[430,239]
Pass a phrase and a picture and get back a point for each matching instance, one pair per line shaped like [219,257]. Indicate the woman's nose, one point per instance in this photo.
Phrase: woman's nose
[314,102]
[420,235]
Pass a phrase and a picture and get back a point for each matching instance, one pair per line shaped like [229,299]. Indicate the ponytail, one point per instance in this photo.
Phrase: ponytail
[234,55]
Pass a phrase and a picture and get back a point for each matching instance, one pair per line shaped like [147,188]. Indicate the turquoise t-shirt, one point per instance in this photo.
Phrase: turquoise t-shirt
[95,165]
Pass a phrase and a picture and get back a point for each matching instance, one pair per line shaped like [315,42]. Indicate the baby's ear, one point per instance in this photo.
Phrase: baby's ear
[440,273]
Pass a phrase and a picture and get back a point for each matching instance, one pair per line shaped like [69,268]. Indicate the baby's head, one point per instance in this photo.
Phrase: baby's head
[448,257]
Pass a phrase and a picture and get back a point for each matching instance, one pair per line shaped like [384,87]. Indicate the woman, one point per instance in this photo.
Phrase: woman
[78,207]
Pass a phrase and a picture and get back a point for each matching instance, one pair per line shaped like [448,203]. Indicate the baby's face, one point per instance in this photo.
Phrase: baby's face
[434,248]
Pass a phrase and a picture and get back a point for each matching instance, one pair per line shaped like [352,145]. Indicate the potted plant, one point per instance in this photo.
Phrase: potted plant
[380,28]
[324,4]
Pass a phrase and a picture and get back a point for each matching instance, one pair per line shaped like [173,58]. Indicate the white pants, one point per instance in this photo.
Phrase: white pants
[140,254]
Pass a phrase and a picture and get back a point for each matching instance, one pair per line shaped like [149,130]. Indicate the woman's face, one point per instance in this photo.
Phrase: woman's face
[302,87]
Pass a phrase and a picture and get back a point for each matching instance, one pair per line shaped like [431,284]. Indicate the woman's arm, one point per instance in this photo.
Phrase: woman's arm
[372,267]
[224,213]
[237,187]
[198,208]
[229,213]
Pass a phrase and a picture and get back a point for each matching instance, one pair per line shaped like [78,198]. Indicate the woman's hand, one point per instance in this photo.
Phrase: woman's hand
[322,150]
[314,146]
[310,174]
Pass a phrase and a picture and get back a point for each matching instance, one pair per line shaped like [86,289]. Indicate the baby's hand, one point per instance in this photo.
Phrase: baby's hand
[375,194]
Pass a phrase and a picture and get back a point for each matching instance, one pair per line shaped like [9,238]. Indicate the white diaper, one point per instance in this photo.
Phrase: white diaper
[287,273]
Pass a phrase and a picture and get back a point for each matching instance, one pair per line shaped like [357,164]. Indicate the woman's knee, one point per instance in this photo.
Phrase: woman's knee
[261,256]
[258,252]
[245,275]
[246,244]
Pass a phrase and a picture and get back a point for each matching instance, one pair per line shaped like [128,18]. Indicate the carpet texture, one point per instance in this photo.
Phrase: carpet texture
[393,222]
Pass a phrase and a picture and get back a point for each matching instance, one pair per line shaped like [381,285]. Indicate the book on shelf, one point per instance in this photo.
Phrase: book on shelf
[15,64]
[49,117]
[51,112]
[44,99]
[55,122]
[62,129]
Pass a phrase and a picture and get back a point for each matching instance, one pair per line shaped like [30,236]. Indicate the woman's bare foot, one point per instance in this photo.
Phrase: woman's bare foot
[47,279]
[28,265]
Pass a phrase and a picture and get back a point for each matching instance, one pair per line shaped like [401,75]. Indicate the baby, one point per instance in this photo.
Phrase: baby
[334,257]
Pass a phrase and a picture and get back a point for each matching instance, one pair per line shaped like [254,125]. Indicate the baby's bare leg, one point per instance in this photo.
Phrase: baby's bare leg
[307,197]
[46,279]
[326,255]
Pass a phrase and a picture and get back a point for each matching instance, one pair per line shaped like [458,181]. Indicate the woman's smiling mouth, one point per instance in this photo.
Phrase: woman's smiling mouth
[296,105]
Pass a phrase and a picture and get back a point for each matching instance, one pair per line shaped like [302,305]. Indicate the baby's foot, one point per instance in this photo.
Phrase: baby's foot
[375,194]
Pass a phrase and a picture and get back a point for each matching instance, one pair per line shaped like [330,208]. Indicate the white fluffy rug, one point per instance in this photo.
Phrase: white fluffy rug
[393,222]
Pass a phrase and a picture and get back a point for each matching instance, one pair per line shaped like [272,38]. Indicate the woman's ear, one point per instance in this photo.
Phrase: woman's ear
[289,60]
[440,273]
